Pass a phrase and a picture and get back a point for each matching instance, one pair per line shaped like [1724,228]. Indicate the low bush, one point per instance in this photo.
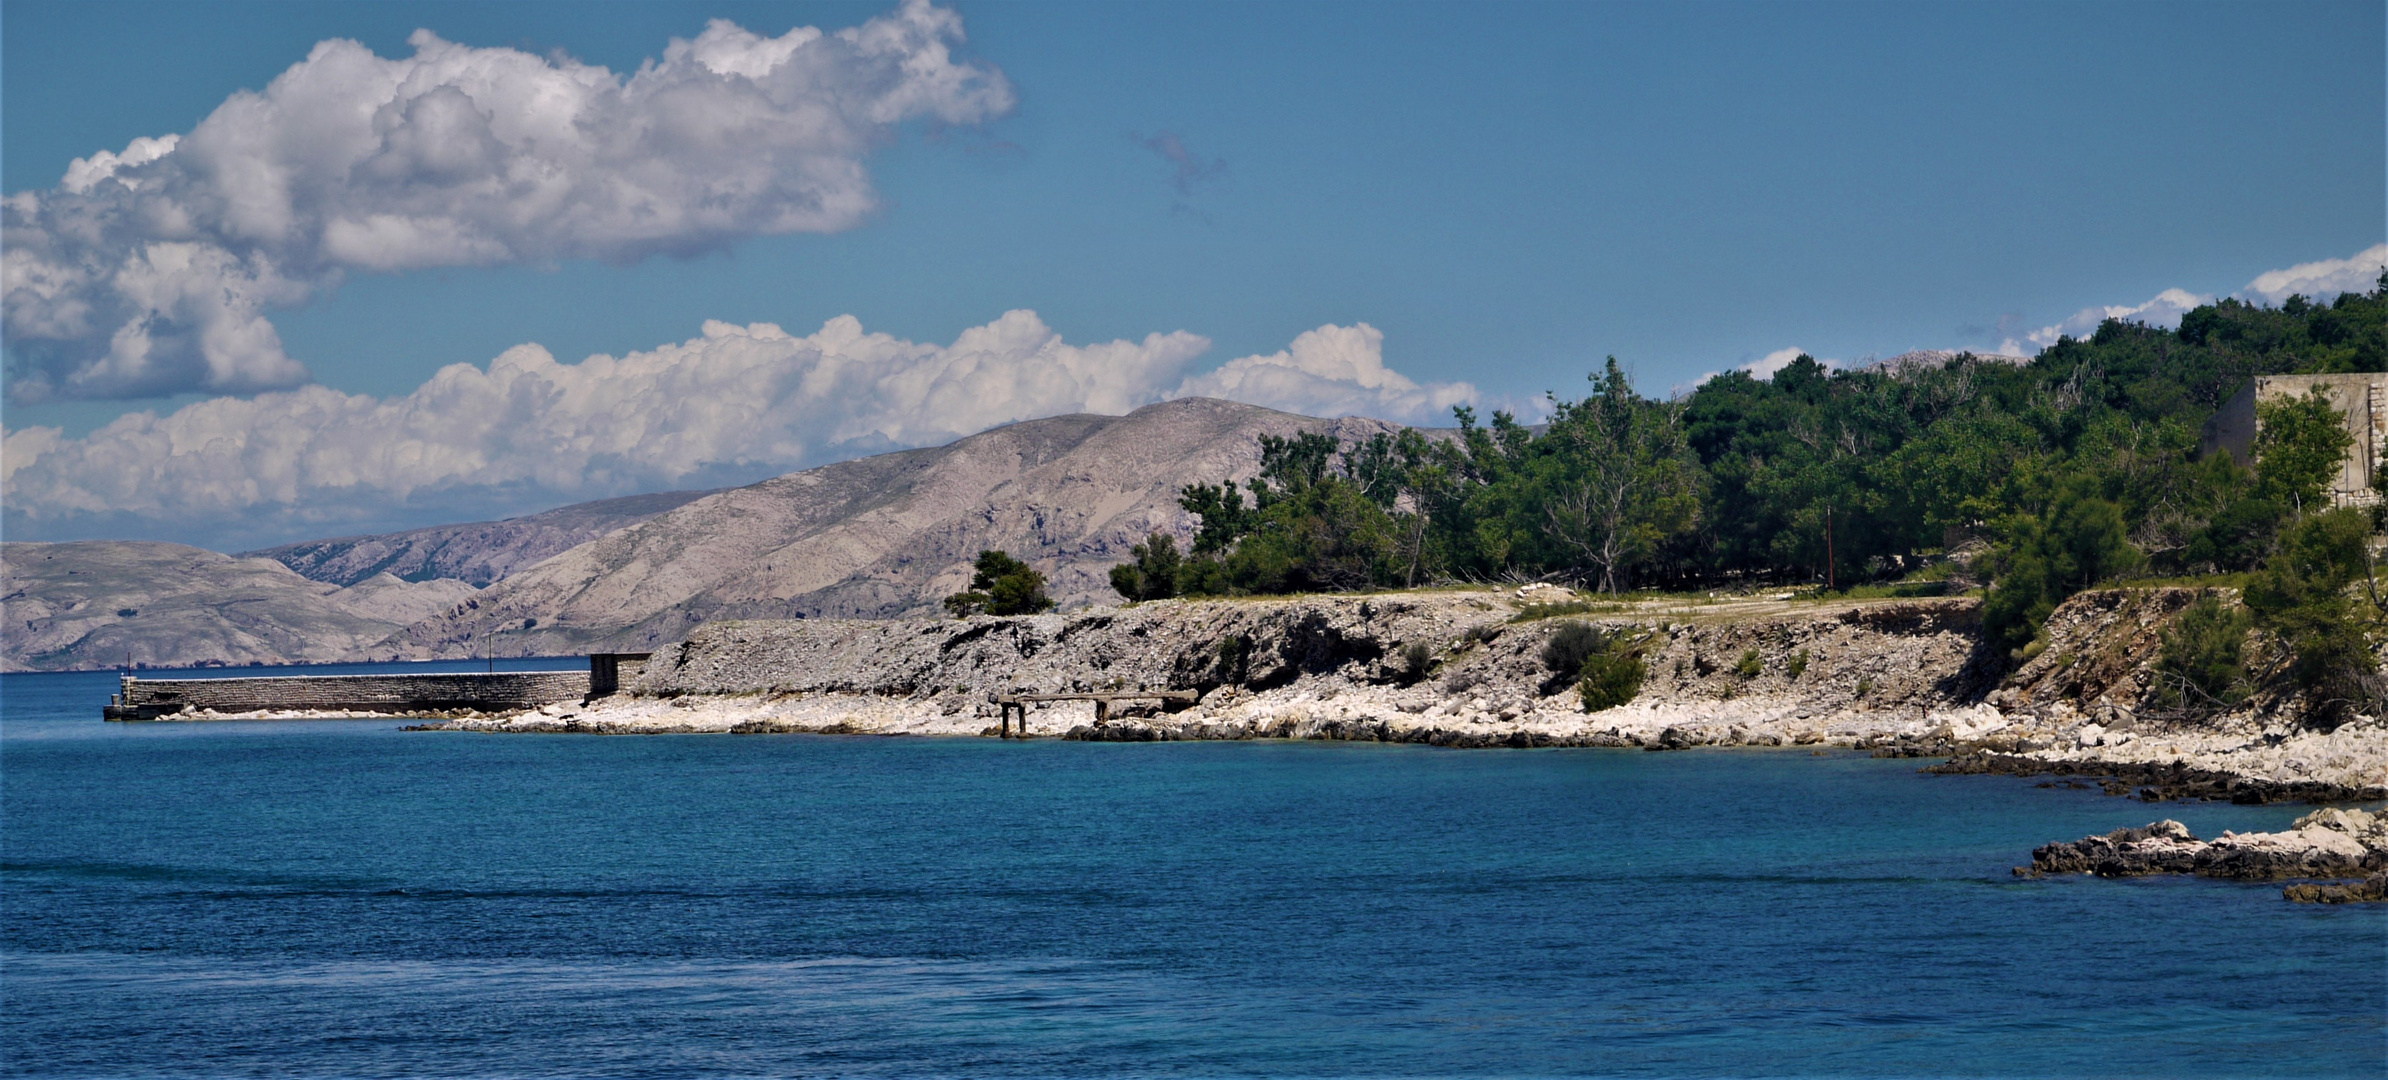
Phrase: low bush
[1612,677]
[1154,573]
[2201,666]
[2301,597]
[1001,585]
[1417,660]
[1235,658]
[1570,645]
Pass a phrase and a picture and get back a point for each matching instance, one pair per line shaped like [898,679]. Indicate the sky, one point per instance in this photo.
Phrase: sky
[277,271]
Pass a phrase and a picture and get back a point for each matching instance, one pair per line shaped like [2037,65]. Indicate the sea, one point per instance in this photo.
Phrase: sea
[344,898]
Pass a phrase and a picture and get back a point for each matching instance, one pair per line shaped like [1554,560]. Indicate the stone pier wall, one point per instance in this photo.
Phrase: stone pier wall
[150,699]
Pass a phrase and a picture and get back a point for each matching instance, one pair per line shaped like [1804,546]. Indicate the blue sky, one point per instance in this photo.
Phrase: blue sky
[1502,193]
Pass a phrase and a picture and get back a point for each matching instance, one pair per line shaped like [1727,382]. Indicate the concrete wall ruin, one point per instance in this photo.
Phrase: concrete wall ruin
[2362,397]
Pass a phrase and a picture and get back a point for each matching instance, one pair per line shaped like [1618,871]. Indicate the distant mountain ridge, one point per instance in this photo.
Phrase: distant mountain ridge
[477,553]
[141,603]
[880,536]
[875,537]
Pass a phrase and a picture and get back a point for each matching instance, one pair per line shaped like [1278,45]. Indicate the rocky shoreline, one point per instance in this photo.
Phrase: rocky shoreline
[2161,781]
[2330,843]
[1465,668]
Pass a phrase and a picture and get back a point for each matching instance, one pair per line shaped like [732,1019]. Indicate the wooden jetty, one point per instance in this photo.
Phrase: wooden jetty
[1018,703]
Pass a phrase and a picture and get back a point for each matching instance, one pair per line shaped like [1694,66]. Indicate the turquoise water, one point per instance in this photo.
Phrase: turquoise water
[342,898]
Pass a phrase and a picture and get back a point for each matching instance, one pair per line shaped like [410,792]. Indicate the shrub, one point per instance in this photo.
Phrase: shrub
[1572,644]
[1799,664]
[1749,665]
[1416,660]
[1154,573]
[2300,596]
[1235,658]
[2200,666]
[1556,608]
[1001,585]
[1612,677]
[2080,541]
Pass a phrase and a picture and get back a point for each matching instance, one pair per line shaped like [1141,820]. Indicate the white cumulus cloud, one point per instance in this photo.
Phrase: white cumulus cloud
[1331,371]
[2321,281]
[2164,309]
[151,271]
[734,404]
[1765,366]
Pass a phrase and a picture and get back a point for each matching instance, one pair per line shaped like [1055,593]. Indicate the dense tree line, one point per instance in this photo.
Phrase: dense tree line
[2048,477]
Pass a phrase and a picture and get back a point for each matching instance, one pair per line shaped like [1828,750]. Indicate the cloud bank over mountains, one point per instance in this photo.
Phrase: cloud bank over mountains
[1331,371]
[2322,280]
[734,404]
[151,271]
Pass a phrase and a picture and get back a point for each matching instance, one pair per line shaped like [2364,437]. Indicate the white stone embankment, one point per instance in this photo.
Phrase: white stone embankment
[1465,668]
[1450,668]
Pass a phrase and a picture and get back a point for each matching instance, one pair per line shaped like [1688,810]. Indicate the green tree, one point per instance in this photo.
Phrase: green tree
[1312,526]
[2077,543]
[2300,443]
[2079,465]
[1420,486]
[2303,597]
[1618,480]
[1001,585]
[2202,664]
[2239,521]
[1153,575]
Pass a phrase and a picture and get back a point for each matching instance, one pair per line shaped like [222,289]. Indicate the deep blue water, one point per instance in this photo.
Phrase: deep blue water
[343,898]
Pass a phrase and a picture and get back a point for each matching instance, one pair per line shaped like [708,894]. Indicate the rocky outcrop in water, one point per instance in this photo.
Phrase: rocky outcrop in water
[2328,843]
[2370,890]
[2166,780]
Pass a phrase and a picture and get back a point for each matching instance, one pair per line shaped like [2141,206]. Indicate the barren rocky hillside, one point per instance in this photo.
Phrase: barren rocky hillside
[879,537]
[1462,668]
[103,604]
[476,553]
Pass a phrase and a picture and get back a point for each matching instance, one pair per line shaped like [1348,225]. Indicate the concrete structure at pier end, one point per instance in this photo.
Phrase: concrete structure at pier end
[2362,397]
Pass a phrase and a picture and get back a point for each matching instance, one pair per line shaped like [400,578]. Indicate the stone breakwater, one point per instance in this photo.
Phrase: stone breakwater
[2328,843]
[1465,669]
[310,696]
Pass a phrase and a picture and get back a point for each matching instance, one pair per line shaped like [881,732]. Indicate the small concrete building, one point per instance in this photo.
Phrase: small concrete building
[2364,400]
